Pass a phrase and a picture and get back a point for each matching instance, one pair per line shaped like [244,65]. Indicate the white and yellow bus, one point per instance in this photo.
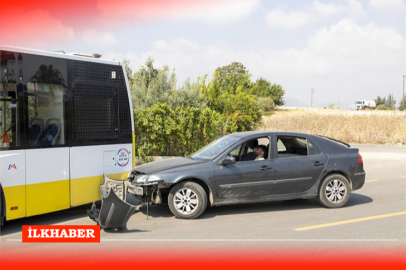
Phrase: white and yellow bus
[65,120]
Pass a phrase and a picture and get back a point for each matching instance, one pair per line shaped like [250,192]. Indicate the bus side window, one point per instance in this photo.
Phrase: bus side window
[46,92]
[10,104]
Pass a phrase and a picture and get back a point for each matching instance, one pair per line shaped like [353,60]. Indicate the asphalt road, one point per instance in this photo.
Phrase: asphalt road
[374,218]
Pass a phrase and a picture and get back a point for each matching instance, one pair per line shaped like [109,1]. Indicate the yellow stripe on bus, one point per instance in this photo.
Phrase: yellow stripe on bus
[47,197]
[41,198]
[87,189]
[15,196]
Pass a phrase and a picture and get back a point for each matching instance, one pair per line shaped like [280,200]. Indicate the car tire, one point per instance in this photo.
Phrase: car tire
[187,200]
[335,191]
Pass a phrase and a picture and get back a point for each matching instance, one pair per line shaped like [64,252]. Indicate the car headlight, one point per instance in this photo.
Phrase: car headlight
[141,179]
[153,178]
[148,179]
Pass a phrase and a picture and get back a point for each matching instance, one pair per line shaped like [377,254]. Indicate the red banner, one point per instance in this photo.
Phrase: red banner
[61,233]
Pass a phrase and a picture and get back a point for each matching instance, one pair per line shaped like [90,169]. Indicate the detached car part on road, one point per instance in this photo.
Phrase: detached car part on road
[249,167]
[115,211]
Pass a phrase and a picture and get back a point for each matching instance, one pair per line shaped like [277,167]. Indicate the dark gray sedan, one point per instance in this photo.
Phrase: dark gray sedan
[249,167]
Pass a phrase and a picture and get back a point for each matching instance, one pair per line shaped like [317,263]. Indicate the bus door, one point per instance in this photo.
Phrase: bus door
[47,149]
[12,154]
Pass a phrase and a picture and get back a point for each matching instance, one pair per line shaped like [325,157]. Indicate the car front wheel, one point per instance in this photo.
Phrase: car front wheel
[335,191]
[187,200]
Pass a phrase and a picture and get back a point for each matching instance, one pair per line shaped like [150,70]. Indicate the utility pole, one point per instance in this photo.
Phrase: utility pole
[311,98]
[403,97]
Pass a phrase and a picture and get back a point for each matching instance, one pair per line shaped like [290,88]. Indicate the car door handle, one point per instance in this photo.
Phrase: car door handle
[266,168]
[318,163]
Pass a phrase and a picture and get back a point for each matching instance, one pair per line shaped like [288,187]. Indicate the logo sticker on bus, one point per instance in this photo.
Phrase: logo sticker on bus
[12,166]
[123,157]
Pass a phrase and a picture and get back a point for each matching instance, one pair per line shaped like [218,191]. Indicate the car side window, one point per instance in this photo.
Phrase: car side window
[236,152]
[313,150]
[289,146]
[281,146]
[252,150]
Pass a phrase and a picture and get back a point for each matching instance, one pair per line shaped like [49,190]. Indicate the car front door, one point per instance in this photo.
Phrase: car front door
[296,171]
[247,177]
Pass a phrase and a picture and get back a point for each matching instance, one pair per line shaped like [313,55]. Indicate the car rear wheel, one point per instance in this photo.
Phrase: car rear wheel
[187,200]
[335,191]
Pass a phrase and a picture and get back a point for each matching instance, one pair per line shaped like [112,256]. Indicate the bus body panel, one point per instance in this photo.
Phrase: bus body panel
[47,180]
[12,179]
[89,163]
[132,116]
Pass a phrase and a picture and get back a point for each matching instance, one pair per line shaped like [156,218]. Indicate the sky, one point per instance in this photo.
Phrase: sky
[345,50]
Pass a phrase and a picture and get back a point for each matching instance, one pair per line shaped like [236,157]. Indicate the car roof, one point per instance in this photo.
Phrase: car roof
[267,133]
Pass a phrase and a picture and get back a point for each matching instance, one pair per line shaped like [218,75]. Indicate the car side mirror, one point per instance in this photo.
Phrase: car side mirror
[227,161]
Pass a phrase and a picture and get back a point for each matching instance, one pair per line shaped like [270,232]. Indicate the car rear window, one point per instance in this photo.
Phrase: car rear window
[290,146]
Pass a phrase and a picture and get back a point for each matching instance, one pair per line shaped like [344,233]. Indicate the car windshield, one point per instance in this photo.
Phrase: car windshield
[215,148]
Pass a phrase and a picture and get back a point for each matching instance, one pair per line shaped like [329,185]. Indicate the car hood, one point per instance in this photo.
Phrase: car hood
[161,165]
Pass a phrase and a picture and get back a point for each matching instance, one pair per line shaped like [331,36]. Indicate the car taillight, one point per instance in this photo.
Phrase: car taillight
[360,159]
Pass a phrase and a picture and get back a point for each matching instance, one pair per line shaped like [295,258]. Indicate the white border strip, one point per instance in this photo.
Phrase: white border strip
[237,240]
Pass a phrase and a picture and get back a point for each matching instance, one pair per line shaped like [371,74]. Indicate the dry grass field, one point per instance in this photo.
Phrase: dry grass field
[365,127]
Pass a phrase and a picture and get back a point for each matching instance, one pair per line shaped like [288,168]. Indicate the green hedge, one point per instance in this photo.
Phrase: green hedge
[162,131]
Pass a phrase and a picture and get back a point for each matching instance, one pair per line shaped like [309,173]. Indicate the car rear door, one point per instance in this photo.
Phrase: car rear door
[296,173]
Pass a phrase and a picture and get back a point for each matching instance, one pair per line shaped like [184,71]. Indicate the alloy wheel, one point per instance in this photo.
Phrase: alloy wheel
[186,201]
[336,191]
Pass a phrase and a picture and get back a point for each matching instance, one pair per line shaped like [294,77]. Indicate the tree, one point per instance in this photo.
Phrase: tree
[402,104]
[228,94]
[390,101]
[264,88]
[151,85]
[241,111]
[129,72]
[189,95]
[228,79]
[380,101]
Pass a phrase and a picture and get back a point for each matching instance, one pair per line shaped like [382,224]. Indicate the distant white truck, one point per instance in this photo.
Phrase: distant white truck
[365,104]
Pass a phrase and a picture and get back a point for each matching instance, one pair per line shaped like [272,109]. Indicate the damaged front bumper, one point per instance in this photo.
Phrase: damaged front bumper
[115,211]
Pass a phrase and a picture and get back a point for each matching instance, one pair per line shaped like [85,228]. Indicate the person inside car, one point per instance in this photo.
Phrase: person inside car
[260,152]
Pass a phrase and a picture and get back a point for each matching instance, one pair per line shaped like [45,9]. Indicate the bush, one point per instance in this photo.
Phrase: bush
[383,108]
[241,111]
[266,104]
[162,131]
